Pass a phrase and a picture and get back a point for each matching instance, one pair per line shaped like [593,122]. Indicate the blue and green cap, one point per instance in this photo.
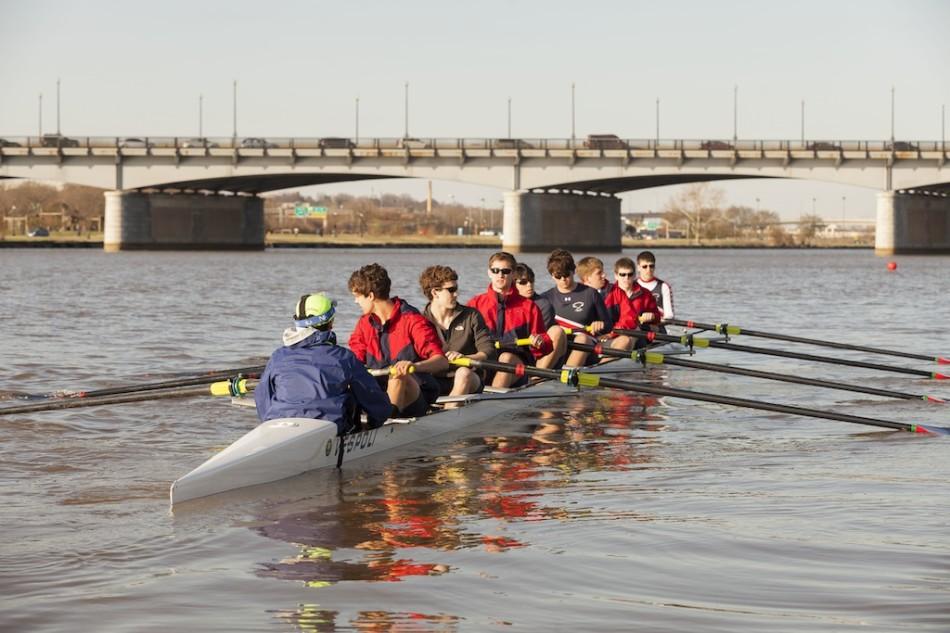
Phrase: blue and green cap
[314,310]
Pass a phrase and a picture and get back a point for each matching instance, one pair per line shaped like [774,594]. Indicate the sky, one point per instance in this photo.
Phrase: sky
[135,68]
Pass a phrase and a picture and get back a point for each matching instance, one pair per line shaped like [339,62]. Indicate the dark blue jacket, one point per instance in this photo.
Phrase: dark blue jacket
[317,379]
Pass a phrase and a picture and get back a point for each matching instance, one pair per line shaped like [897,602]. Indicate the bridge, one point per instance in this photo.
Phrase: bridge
[175,192]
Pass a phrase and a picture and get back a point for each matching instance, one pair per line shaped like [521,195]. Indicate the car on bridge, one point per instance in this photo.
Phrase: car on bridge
[604,141]
[715,145]
[5,143]
[199,141]
[257,143]
[57,140]
[511,143]
[333,142]
[133,142]
[901,146]
[823,146]
[412,143]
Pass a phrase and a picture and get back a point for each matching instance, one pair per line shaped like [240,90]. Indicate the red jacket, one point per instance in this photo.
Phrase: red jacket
[407,335]
[626,310]
[514,318]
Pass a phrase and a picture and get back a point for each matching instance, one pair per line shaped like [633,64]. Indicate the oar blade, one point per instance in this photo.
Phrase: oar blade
[943,361]
[931,430]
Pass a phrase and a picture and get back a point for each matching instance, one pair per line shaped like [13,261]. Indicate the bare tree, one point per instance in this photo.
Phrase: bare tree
[695,205]
[808,227]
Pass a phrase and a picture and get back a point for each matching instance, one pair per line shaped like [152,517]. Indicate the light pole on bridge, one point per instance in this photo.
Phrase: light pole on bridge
[57,107]
[201,118]
[844,214]
[40,112]
[234,111]
[657,123]
[735,113]
[573,136]
[509,117]
[406,110]
[357,119]
[803,123]
[892,117]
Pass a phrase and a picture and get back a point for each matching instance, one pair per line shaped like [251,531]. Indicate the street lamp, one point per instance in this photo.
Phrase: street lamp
[357,119]
[201,99]
[735,113]
[843,208]
[509,117]
[406,109]
[234,111]
[57,107]
[803,123]
[892,117]
[657,123]
[572,117]
[41,114]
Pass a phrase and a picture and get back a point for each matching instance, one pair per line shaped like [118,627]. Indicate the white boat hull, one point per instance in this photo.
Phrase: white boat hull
[285,447]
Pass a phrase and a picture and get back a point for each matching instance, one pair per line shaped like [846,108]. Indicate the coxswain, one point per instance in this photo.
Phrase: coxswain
[510,317]
[393,334]
[310,376]
[576,305]
[461,330]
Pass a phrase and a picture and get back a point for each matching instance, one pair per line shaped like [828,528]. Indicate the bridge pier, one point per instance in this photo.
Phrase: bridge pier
[912,223]
[541,222]
[165,221]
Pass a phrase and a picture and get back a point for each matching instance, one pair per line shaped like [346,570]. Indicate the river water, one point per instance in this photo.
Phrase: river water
[610,512]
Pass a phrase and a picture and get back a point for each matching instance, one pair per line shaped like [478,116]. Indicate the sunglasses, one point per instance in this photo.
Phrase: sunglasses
[500,271]
[450,289]
[647,265]
[563,275]
[524,282]
[625,274]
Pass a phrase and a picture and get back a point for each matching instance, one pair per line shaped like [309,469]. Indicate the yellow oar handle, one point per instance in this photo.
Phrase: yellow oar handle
[574,330]
[233,387]
[520,342]
[388,371]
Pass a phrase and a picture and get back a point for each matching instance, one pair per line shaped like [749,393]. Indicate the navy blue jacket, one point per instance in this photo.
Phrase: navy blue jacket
[315,378]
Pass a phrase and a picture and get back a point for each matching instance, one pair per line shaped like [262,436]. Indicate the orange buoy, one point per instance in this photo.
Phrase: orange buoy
[892,265]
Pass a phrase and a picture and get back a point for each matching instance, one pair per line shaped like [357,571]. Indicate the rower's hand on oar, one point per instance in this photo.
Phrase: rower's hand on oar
[596,327]
[453,355]
[537,340]
[401,368]
[646,317]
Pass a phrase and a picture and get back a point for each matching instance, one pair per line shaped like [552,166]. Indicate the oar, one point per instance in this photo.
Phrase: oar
[695,341]
[75,403]
[518,342]
[585,379]
[734,330]
[202,379]
[656,358]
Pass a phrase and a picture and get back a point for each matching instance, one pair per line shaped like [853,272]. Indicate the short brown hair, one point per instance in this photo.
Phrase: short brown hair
[646,256]
[433,277]
[523,271]
[588,266]
[371,278]
[502,255]
[561,262]
[624,262]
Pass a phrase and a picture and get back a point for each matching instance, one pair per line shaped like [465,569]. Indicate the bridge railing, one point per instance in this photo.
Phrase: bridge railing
[593,142]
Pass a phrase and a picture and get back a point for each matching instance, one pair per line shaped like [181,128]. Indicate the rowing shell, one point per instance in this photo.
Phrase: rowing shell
[285,447]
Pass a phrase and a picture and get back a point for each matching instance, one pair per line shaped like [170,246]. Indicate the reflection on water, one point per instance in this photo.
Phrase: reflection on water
[609,512]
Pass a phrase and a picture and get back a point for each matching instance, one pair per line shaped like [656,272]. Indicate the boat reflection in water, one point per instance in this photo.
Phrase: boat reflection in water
[412,517]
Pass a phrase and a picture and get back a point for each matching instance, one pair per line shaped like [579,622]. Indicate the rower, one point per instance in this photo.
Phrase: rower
[310,376]
[576,305]
[629,305]
[461,329]
[509,317]
[661,291]
[391,333]
[524,282]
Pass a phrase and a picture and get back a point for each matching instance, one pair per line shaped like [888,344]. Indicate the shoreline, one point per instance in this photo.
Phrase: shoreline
[424,242]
